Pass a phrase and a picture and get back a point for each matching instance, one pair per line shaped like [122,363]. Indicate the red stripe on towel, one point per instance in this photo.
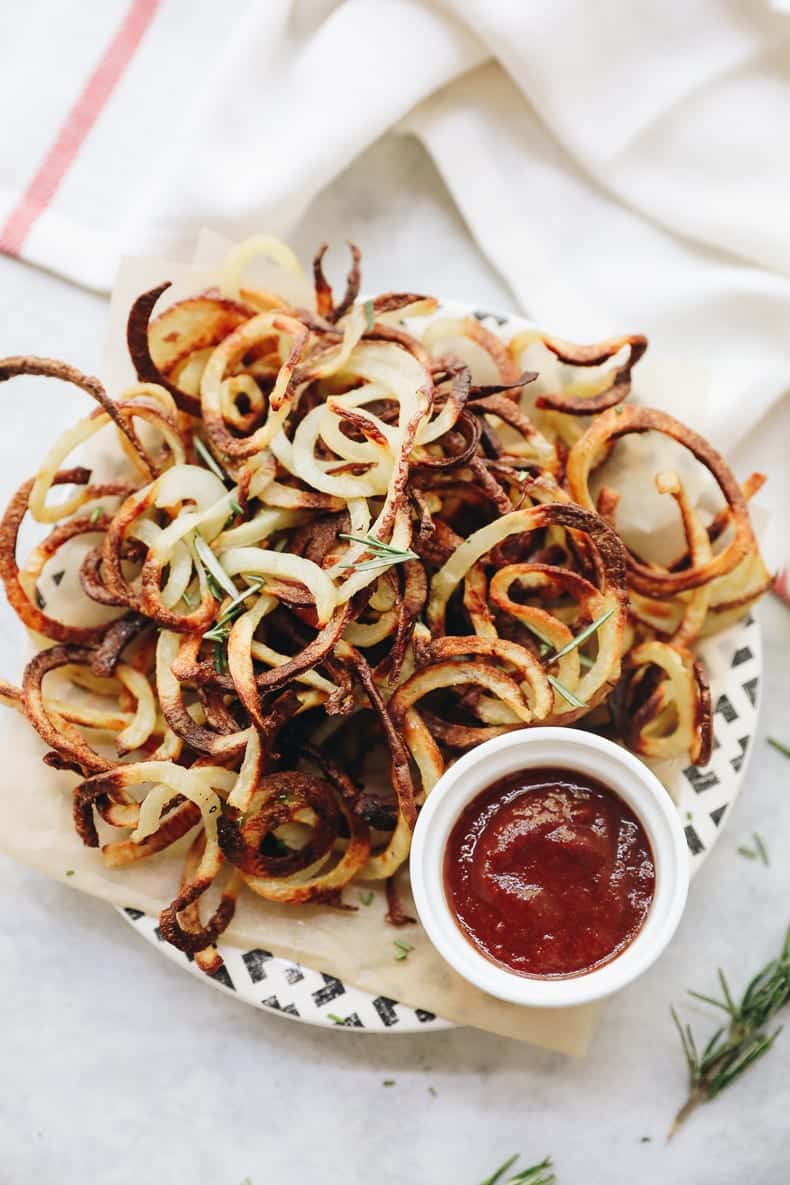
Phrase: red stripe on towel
[78,123]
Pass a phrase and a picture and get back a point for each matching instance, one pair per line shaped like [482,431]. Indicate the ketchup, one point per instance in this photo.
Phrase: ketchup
[549,873]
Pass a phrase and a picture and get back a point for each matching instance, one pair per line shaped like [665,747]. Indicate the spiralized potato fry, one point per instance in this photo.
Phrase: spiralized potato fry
[345,543]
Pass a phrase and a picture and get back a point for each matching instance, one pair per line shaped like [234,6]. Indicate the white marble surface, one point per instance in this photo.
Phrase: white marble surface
[117,1068]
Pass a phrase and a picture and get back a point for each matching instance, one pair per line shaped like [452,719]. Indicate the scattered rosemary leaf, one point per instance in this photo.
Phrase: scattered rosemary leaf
[747,852]
[762,850]
[780,748]
[402,949]
[566,693]
[69,872]
[209,461]
[618,411]
[369,315]
[220,658]
[188,599]
[367,897]
[96,513]
[535,1174]
[383,553]
[586,633]
[738,1044]
[689,816]
[57,577]
[388,1082]
[433,1092]
[235,507]
[335,1019]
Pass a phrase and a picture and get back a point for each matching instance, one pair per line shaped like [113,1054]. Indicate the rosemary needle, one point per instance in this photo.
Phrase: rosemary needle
[784,749]
[535,1174]
[566,693]
[742,1040]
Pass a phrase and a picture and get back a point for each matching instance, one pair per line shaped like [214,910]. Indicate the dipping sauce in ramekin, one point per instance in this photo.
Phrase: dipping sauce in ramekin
[549,872]
[549,867]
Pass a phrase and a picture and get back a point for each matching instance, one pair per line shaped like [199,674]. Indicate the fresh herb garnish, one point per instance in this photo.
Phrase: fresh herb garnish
[536,1174]
[209,461]
[220,658]
[566,693]
[618,411]
[383,553]
[388,1082]
[784,749]
[370,316]
[69,872]
[402,949]
[740,1042]
[335,1019]
[188,599]
[586,633]
[759,850]
[235,507]
[367,897]
[96,513]
[221,627]
[433,1092]
[214,569]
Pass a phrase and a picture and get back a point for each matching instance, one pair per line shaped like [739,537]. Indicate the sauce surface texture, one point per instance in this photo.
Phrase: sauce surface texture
[549,872]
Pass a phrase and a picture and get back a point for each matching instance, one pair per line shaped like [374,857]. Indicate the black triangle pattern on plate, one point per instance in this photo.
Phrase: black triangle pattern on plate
[134,914]
[724,708]
[424,1016]
[386,1010]
[693,840]
[294,975]
[741,655]
[750,687]
[221,975]
[701,779]
[273,1003]
[737,762]
[330,991]
[481,315]
[716,815]
[255,961]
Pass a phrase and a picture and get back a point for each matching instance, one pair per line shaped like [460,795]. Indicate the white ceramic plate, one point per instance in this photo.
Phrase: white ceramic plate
[734,663]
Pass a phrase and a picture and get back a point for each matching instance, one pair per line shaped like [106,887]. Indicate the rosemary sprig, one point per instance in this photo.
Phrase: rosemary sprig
[738,1044]
[581,638]
[535,1174]
[210,461]
[221,627]
[780,748]
[760,850]
[96,514]
[402,949]
[566,693]
[369,315]
[383,553]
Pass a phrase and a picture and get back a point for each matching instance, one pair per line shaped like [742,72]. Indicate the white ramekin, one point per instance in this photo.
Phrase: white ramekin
[562,748]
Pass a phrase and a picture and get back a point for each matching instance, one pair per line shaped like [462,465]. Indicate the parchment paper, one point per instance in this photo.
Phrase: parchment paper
[35,805]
